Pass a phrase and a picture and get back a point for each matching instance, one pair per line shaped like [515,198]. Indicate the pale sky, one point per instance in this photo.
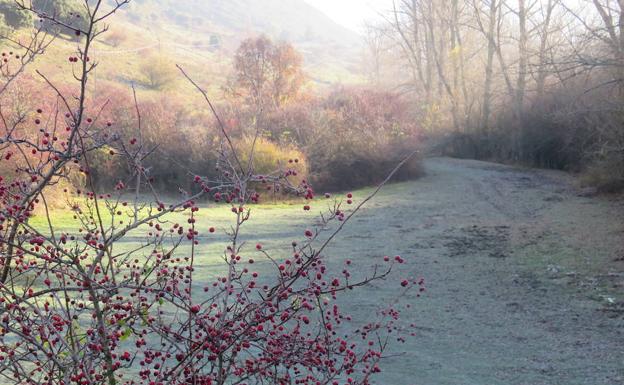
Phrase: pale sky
[352,13]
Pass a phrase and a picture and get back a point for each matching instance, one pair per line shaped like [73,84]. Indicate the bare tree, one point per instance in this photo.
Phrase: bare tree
[544,32]
[489,31]
[375,47]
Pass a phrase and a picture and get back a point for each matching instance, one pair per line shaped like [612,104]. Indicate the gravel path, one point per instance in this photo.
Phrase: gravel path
[524,281]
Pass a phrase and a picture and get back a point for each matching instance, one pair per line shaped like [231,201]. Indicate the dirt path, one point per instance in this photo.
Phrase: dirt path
[524,286]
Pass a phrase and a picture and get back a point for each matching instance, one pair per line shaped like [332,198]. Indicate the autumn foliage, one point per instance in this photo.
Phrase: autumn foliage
[114,297]
[267,74]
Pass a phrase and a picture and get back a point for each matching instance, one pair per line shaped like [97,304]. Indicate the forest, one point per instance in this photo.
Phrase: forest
[531,82]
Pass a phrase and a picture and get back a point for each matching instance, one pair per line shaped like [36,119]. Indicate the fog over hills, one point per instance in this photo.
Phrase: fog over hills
[329,48]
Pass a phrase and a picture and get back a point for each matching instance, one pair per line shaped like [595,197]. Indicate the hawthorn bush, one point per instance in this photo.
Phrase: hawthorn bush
[79,307]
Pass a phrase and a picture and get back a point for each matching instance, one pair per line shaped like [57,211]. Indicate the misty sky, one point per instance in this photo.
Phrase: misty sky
[352,13]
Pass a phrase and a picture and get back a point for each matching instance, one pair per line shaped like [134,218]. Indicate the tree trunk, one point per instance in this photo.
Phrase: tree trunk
[521,83]
[491,50]
[541,67]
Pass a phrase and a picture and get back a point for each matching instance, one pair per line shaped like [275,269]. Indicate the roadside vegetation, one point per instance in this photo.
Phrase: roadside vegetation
[533,82]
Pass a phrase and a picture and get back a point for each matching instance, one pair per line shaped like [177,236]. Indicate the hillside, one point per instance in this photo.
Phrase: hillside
[202,36]
[293,20]
[206,33]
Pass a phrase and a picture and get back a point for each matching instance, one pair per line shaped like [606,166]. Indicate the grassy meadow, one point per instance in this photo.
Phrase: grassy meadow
[490,285]
[274,224]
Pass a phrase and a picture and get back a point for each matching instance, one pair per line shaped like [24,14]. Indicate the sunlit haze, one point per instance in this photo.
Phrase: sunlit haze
[352,13]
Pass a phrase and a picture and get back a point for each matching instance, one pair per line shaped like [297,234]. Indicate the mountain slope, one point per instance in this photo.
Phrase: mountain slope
[331,51]
[292,19]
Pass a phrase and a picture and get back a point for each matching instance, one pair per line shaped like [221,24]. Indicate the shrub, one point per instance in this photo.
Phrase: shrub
[296,122]
[180,139]
[116,37]
[351,137]
[71,13]
[158,72]
[607,174]
[354,137]
[215,42]
[270,157]
[345,165]
[13,16]
[556,134]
